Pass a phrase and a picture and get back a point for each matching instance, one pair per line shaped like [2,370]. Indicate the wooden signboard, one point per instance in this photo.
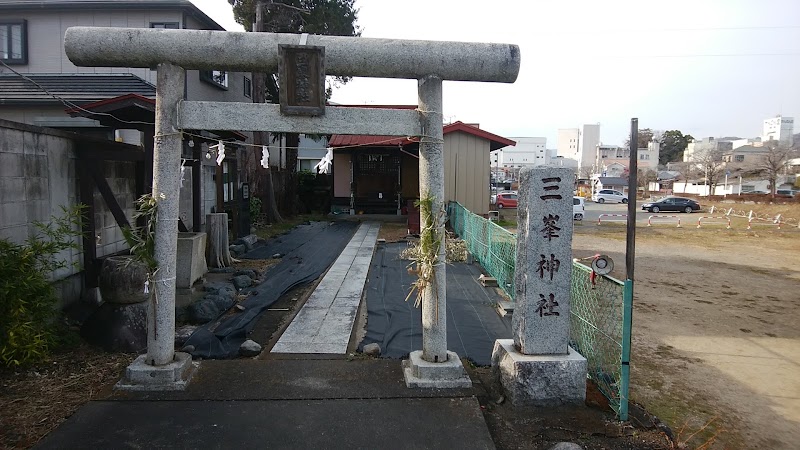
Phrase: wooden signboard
[302,80]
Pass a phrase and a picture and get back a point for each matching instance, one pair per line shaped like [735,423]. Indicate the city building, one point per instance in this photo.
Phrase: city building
[567,144]
[779,129]
[529,151]
[580,145]
[590,139]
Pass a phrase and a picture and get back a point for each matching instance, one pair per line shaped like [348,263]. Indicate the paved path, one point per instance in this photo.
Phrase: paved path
[325,322]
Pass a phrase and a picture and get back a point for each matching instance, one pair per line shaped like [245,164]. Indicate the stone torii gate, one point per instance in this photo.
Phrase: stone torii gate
[171,52]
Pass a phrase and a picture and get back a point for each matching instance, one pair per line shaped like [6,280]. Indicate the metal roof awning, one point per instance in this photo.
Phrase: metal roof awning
[135,112]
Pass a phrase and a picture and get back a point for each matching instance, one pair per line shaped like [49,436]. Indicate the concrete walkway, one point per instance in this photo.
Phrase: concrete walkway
[325,322]
[283,403]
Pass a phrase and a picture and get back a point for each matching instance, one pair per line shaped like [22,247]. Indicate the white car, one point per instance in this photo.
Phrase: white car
[578,207]
[609,195]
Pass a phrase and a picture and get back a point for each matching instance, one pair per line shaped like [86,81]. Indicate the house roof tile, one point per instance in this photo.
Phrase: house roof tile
[79,88]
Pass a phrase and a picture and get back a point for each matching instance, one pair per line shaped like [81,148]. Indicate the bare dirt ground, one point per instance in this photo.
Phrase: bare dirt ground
[715,330]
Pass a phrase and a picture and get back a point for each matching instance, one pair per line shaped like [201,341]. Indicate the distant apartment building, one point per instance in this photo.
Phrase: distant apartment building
[779,129]
[590,139]
[613,161]
[529,151]
[567,144]
[698,147]
[579,144]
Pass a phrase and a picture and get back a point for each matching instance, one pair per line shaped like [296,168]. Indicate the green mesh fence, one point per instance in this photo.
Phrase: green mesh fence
[596,331]
[494,247]
[600,311]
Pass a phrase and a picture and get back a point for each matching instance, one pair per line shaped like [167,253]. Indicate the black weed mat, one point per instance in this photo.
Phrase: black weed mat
[311,256]
[473,324]
[287,243]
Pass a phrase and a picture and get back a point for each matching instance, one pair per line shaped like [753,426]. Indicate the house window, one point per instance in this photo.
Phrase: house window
[738,158]
[165,25]
[248,87]
[14,42]
[218,78]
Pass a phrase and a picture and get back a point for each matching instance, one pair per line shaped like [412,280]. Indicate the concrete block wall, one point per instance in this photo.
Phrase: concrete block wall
[121,178]
[38,176]
[37,179]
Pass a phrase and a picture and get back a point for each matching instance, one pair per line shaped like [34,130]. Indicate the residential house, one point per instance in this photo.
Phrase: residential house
[39,86]
[380,174]
[616,183]
[50,91]
[613,161]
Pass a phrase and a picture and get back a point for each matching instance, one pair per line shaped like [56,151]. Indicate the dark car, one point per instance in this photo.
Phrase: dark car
[686,205]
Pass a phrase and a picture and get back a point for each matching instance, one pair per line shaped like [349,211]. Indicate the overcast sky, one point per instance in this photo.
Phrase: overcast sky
[705,67]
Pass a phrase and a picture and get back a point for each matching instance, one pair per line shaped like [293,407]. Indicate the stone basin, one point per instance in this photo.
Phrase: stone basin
[191,259]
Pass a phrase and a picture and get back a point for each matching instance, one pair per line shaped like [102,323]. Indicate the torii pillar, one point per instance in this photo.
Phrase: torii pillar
[173,51]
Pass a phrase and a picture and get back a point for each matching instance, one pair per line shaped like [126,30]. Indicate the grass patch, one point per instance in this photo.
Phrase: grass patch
[694,422]
[272,230]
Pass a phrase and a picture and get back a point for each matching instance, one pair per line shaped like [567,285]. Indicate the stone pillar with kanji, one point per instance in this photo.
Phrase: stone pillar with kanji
[537,367]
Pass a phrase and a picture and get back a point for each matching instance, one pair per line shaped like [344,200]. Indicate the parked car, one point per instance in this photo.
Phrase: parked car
[609,195]
[578,207]
[506,200]
[786,192]
[686,205]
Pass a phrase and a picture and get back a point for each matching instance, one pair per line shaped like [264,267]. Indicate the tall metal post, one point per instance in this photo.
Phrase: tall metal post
[431,185]
[166,188]
[630,256]
[625,372]
[630,248]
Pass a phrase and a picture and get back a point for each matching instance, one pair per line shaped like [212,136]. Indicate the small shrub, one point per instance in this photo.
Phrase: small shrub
[255,207]
[27,297]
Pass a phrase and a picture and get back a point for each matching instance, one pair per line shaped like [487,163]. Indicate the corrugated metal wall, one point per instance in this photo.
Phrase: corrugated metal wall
[466,171]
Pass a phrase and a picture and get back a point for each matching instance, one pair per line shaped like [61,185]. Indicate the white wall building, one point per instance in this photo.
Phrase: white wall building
[779,129]
[529,151]
[567,145]
[700,146]
[587,150]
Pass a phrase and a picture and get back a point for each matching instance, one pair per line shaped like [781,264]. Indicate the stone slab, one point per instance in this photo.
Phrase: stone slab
[539,380]
[325,322]
[544,261]
[140,376]
[336,348]
[442,375]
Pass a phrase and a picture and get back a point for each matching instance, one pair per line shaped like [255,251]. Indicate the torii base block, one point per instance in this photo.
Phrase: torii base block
[174,376]
[440,375]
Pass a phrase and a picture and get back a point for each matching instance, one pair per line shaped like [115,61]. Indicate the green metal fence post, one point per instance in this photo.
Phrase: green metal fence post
[627,321]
